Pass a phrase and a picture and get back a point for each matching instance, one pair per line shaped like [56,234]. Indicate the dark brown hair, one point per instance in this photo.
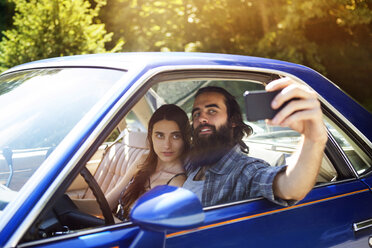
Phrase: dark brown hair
[234,115]
[135,189]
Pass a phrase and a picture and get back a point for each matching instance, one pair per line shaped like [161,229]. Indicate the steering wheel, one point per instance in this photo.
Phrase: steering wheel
[97,192]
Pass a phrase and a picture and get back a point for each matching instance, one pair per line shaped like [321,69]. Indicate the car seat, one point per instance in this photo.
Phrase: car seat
[117,159]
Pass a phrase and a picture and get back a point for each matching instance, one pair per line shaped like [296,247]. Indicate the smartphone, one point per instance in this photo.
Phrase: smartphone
[258,105]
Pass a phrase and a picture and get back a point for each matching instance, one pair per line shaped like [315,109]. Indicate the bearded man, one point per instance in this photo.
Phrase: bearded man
[219,170]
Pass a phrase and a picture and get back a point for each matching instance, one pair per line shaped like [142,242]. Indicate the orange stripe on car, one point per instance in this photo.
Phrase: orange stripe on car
[260,214]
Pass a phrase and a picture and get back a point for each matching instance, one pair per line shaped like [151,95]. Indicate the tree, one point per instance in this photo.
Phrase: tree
[148,25]
[332,36]
[44,29]
[6,15]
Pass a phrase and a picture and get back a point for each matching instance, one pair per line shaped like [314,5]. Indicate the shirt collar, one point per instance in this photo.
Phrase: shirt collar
[223,165]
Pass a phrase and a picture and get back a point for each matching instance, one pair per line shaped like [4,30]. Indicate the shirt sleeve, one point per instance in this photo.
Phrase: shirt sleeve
[262,183]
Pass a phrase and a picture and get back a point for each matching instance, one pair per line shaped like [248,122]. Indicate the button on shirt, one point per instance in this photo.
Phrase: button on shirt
[237,176]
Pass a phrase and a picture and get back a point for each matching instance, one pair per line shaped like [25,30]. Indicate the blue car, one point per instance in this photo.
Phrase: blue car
[70,127]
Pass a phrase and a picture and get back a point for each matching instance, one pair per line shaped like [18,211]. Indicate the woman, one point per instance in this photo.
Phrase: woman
[169,141]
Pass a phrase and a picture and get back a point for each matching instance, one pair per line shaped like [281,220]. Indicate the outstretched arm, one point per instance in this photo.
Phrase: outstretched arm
[303,115]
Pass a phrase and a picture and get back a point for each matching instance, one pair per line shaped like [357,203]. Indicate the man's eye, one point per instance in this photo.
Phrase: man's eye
[195,115]
[212,111]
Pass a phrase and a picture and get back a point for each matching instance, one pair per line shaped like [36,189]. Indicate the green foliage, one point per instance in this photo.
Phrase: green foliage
[332,36]
[44,29]
[148,25]
[6,14]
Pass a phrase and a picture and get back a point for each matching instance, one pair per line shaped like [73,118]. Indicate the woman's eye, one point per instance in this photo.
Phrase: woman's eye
[176,136]
[159,135]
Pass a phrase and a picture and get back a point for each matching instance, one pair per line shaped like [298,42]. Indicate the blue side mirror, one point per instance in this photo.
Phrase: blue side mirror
[162,209]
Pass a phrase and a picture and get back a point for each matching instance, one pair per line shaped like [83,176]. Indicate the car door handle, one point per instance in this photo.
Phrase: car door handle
[362,225]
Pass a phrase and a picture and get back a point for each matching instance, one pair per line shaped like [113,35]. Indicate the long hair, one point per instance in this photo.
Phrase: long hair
[234,115]
[137,187]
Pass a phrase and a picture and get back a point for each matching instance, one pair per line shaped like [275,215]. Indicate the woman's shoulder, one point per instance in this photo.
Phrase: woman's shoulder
[178,179]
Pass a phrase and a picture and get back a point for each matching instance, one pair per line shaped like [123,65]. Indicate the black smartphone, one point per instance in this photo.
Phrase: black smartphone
[258,105]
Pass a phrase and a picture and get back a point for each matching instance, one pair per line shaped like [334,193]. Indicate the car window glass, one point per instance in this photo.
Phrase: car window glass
[38,109]
[133,122]
[357,157]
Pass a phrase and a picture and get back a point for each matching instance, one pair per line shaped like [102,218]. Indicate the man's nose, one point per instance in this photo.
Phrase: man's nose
[203,118]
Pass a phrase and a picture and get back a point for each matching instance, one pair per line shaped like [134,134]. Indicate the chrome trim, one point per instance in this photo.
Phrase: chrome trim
[362,225]
[78,234]
[130,75]
[230,204]
[343,155]
[258,215]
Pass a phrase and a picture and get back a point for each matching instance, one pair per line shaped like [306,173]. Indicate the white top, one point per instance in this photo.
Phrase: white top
[195,186]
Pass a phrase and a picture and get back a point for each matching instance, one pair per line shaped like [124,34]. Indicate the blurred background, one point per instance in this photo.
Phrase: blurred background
[333,37]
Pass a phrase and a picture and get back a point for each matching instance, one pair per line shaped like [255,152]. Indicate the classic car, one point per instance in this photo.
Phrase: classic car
[70,127]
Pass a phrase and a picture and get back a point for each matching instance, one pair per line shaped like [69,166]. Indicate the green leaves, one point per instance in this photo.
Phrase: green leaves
[321,34]
[44,29]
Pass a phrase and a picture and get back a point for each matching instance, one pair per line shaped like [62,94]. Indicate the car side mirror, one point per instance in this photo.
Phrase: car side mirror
[165,208]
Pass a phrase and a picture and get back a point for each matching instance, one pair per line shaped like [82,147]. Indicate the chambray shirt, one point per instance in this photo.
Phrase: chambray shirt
[237,176]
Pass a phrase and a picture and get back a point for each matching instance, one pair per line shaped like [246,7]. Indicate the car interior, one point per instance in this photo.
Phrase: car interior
[111,161]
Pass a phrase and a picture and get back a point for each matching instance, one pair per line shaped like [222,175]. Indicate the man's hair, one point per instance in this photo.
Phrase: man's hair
[234,115]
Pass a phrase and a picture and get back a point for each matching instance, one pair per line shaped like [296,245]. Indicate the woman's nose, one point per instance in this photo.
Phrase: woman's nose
[167,143]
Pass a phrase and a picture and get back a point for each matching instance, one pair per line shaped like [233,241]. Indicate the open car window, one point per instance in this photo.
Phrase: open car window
[273,144]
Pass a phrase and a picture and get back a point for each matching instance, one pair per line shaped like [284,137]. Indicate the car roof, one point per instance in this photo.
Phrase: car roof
[126,61]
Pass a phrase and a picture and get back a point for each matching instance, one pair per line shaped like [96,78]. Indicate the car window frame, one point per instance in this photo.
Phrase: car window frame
[332,150]
[350,133]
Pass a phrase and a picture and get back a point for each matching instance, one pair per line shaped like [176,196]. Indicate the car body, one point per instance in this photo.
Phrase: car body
[58,114]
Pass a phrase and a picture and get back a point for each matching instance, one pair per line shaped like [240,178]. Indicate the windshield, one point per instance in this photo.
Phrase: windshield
[38,109]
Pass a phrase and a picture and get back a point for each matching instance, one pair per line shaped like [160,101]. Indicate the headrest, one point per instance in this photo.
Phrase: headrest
[136,139]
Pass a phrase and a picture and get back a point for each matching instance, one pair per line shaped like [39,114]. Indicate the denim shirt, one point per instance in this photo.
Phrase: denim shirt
[237,176]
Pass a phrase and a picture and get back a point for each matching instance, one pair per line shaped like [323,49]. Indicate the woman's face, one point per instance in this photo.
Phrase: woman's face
[167,141]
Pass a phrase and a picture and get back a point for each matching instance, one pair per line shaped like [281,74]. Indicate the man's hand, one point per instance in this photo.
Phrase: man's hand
[304,115]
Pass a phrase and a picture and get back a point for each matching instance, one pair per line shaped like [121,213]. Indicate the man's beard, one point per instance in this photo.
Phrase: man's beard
[209,149]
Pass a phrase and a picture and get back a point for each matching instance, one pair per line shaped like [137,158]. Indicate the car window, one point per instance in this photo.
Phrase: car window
[280,142]
[360,161]
[273,144]
[38,109]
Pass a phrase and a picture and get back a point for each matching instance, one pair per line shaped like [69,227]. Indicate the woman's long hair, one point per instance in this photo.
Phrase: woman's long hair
[139,182]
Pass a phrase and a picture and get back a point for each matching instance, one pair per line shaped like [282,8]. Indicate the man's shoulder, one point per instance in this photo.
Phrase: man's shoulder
[248,168]
[244,159]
